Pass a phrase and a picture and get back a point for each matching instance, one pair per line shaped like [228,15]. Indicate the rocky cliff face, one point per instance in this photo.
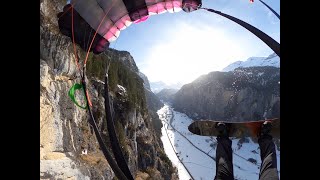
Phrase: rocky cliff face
[68,146]
[153,101]
[146,81]
[154,104]
[243,94]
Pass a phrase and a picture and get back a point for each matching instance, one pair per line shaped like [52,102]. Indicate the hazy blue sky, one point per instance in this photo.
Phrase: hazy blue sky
[179,47]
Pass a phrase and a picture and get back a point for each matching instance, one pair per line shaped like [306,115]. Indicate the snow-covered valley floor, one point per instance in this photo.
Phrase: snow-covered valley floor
[197,153]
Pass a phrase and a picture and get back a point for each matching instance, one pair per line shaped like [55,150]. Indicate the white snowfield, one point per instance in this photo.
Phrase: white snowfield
[201,164]
[272,60]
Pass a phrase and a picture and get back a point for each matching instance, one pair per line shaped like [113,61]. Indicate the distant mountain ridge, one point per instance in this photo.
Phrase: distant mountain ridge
[167,94]
[243,94]
[159,85]
[272,60]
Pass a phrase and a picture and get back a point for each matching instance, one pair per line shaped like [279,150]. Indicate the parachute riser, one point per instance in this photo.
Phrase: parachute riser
[274,45]
[274,12]
[103,147]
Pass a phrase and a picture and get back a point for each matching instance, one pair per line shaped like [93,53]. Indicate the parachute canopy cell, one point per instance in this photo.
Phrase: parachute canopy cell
[109,17]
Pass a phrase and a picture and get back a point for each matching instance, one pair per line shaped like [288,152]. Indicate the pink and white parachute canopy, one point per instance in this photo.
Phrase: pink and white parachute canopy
[109,17]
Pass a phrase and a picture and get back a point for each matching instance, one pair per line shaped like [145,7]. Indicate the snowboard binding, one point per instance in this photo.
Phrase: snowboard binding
[223,129]
[265,129]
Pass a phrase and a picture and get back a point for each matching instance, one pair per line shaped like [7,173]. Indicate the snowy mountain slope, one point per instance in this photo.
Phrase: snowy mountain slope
[159,85]
[199,164]
[271,60]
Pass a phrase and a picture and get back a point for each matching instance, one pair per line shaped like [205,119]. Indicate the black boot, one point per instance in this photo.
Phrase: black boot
[265,129]
[223,129]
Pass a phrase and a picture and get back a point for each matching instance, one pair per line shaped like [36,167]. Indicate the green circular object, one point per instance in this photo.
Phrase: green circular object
[72,92]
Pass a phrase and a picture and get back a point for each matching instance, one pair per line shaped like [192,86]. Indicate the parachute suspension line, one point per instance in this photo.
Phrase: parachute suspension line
[88,51]
[67,9]
[94,36]
[84,38]
[110,18]
[77,61]
[73,41]
[112,133]
[113,164]
[118,172]
[107,71]
[274,45]
[85,61]
[274,12]
[88,40]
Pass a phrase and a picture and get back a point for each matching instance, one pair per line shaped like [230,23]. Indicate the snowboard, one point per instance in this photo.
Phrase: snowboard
[237,129]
